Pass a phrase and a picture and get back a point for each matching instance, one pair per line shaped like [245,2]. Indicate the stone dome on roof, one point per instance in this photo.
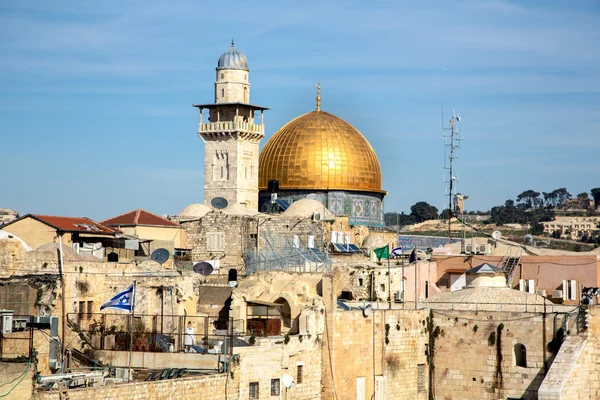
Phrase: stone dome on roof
[232,59]
[305,208]
[196,210]
[239,209]
[319,151]
[485,298]
[373,241]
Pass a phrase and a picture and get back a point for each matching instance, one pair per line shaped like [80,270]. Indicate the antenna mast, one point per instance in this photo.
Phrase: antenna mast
[453,141]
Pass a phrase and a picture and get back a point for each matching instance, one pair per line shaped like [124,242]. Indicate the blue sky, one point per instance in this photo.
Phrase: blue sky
[95,97]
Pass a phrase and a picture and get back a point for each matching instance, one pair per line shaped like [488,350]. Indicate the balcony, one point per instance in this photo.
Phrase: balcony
[230,126]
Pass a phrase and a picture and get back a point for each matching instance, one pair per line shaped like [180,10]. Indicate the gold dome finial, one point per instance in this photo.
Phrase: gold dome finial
[318,97]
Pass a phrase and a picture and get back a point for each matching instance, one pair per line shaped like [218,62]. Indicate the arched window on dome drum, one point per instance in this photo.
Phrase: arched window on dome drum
[520,355]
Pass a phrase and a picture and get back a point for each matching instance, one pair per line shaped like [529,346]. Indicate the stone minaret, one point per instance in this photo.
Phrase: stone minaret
[231,135]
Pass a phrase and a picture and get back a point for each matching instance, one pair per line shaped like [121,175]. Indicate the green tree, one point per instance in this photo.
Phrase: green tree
[596,196]
[529,198]
[423,211]
[583,196]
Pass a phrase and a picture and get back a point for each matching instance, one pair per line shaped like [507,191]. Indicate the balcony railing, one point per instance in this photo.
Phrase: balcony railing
[231,126]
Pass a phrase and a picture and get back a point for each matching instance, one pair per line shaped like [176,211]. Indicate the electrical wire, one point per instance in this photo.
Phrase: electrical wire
[22,376]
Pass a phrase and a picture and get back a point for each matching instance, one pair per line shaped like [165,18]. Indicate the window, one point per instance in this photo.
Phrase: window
[379,387]
[382,287]
[253,390]
[420,378]
[222,76]
[81,310]
[360,281]
[520,355]
[222,172]
[215,241]
[299,374]
[527,285]
[89,309]
[570,290]
[275,387]
[222,92]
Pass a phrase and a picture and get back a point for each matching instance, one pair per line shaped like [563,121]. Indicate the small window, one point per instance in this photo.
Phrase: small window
[222,172]
[520,355]
[420,378]
[222,76]
[81,310]
[246,77]
[275,387]
[382,287]
[253,390]
[222,92]
[90,305]
[215,241]
[361,282]
[299,374]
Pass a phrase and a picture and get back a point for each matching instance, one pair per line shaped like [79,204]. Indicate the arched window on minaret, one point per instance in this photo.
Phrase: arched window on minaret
[245,94]
[222,92]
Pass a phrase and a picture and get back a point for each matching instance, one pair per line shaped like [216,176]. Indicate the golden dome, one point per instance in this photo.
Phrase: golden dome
[319,151]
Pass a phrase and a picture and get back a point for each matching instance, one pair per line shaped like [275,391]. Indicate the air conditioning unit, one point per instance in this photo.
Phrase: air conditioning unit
[484,248]
[399,297]
[19,324]
[316,216]
[469,249]
[557,294]
[122,373]
[7,323]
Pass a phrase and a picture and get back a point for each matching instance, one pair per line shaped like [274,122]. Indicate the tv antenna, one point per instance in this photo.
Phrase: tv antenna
[453,141]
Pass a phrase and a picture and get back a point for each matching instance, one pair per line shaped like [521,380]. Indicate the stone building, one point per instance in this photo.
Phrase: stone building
[572,227]
[148,232]
[7,215]
[231,136]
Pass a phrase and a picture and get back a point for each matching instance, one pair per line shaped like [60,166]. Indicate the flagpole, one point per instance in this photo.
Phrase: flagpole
[403,281]
[415,250]
[389,280]
[131,332]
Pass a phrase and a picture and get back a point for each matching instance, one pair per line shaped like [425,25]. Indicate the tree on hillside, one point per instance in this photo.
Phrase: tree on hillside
[445,214]
[393,219]
[596,196]
[529,198]
[423,211]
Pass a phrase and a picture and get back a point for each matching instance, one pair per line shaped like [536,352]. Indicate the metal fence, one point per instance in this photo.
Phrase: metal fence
[158,333]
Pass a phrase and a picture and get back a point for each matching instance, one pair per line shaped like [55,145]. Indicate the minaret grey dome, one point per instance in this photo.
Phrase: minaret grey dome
[233,59]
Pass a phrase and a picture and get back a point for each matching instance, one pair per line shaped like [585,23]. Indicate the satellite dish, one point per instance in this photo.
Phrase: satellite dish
[203,268]
[160,255]
[496,235]
[367,310]
[528,238]
[219,203]
[287,381]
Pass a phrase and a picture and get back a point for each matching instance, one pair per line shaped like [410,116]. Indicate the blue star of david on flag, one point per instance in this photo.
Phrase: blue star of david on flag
[121,301]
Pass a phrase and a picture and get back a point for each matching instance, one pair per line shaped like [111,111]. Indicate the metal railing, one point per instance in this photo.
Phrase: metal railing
[231,126]
[157,333]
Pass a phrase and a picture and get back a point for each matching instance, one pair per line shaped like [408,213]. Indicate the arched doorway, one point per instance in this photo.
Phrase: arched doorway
[286,312]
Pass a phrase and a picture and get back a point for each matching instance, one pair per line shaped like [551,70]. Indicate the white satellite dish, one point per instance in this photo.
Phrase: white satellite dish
[497,235]
[367,310]
[287,381]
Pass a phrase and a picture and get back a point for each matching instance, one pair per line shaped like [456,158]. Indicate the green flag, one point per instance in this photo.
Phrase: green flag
[382,252]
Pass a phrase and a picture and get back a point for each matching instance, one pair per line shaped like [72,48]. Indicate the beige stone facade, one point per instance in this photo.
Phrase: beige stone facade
[572,227]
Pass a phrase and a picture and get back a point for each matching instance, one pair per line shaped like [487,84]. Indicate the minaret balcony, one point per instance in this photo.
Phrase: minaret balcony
[231,126]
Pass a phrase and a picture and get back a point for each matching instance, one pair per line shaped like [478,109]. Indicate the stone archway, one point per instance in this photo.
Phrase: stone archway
[286,312]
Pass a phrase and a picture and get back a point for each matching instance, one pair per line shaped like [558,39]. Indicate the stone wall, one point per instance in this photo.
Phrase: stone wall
[209,387]
[575,372]
[475,358]
[273,358]
[387,346]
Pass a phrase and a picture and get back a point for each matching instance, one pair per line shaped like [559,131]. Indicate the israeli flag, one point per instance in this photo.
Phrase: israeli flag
[121,301]
[397,252]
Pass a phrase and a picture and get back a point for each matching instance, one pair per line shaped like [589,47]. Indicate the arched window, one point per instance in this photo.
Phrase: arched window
[222,76]
[520,355]
[222,92]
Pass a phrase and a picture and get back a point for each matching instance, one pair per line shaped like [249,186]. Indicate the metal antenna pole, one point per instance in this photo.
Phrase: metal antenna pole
[453,144]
